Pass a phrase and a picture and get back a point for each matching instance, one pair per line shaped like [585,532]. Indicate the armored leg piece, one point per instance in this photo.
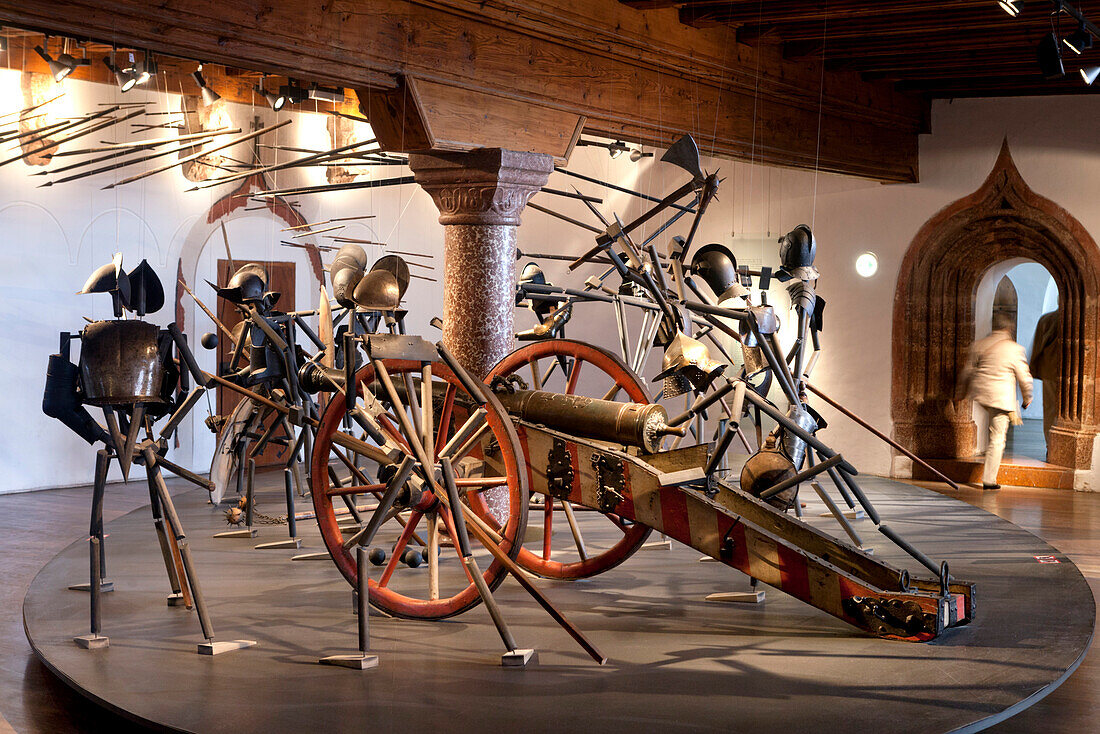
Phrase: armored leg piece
[95,529]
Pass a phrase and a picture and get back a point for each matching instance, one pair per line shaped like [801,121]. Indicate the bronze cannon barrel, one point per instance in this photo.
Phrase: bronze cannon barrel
[631,424]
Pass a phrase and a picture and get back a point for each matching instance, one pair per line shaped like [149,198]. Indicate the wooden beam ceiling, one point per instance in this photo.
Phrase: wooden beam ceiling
[931,48]
[638,75]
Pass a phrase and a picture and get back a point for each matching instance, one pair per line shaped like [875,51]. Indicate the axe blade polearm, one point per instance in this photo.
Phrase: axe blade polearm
[685,154]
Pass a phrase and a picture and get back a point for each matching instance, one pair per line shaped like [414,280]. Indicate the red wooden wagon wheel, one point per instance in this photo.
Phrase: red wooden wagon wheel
[485,450]
[558,365]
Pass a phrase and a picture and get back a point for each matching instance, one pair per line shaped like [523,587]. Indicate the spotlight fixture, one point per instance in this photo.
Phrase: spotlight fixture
[1012,7]
[1089,74]
[636,155]
[291,93]
[1080,40]
[147,69]
[326,94]
[273,99]
[124,77]
[209,96]
[63,65]
[1050,57]
[616,149]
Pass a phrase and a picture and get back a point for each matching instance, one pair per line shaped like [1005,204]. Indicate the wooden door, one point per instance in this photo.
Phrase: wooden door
[280,278]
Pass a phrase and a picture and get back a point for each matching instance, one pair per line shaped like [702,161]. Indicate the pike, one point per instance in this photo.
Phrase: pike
[319,231]
[551,212]
[105,169]
[613,187]
[566,194]
[348,117]
[304,246]
[74,136]
[32,108]
[228,254]
[152,142]
[35,131]
[235,141]
[74,123]
[399,181]
[207,311]
[280,166]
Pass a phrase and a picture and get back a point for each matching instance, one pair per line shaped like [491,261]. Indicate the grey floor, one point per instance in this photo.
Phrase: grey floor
[34,527]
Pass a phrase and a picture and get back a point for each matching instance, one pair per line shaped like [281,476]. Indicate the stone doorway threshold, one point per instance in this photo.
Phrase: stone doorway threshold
[1018,471]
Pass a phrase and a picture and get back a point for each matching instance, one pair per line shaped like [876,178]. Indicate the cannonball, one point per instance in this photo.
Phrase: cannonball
[209,340]
[412,558]
[377,556]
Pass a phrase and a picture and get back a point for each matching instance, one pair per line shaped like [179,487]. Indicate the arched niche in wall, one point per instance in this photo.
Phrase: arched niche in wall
[233,206]
[934,313]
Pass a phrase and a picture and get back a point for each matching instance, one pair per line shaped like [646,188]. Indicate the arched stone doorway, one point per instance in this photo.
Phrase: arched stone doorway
[934,314]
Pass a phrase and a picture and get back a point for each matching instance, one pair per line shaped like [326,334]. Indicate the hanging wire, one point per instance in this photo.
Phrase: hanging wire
[820,107]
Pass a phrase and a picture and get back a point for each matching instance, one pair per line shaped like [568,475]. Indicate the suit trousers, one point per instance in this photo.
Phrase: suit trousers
[994,450]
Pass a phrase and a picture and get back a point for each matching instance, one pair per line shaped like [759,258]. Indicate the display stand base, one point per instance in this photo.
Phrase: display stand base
[321,556]
[707,559]
[175,600]
[518,658]
[350,529]
[355,662]
[217,648]
[245,533]
[657,545]
[104,587]
[288,543]
[850,514]
[738,597]
[92,642]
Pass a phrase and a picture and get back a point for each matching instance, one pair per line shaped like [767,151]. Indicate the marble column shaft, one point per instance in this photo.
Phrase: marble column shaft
[480,196]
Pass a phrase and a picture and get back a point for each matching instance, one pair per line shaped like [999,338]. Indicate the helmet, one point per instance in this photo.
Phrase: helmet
[717,266]
[248,285]
[797,250]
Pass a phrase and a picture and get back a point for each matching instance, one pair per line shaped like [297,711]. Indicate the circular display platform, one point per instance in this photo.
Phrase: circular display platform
[676,662]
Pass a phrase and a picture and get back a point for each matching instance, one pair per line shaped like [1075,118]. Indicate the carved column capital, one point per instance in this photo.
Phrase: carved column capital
[486,186]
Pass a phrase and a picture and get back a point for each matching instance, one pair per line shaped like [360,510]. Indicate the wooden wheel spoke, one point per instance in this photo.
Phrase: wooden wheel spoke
[574,375]
[448,520]
[613,392]
[399,549]
[444,425]
[480,482]
[547,527]
[534,363]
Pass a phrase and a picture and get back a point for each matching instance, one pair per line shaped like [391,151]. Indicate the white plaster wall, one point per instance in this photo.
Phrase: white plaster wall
[54,237]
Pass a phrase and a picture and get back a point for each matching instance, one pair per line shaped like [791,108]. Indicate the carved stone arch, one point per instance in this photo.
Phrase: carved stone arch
[934,314]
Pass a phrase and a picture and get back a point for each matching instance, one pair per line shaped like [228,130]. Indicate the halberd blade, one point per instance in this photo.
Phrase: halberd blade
[685,154]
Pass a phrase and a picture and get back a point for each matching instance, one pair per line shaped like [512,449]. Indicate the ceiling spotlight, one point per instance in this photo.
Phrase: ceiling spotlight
[124,77]
[1078,41]
[272,99]
[636,155]
[1089,74]
[617,148]
[291,93]
[1012,7]
[147,69]
[1050,57]
[60,67]
[209,96]
[326,94]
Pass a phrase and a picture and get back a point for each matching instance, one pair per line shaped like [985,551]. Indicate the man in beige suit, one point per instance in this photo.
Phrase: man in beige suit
[996,365]
[1046,365]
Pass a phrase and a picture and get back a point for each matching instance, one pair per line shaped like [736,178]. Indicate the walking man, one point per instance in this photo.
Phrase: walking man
[996,365]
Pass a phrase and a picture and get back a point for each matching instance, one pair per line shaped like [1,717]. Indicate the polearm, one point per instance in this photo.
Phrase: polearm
[32,108]
[74,123]
[225,330]
[235,141]
[150,143]
[879,433]
[280,166]
[74,136]
[300,190]
[114,167]
[612,186]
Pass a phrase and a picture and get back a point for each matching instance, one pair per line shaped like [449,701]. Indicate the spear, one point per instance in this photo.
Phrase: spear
[336,187]
[115,167]
[208,312]
[638,194]
[279,166]
[74,123]
[307,234]
[228,254]
[201,153]
[74,136]
[35,131]
[326,248]
[32,108]
[151,143]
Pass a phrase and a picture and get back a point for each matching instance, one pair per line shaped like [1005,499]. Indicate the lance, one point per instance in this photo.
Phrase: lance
[564,218]
[225,330]
[36,131]
[612,186]
[62,126]
[568,195]
[280,166]
[328,221]
[104,169]
[228,254]
[151,143]
[74,136]
[304,246]
[346,116]
[400,181]
[354,240]
[319,231]
[32,108]
[235,141]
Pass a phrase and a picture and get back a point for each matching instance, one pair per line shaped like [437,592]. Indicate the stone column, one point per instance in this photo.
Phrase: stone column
[480,196]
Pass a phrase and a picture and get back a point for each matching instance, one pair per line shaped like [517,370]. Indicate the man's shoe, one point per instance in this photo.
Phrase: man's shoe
[990,486]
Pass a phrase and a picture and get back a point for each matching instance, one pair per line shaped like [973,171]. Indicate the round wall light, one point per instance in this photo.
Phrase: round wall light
[867,264]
